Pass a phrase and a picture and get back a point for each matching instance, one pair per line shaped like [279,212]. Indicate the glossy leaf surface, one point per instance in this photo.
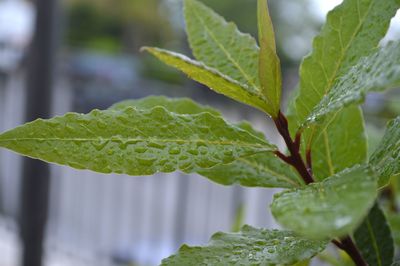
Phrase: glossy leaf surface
[134,141]
[250,246]
[374,239]
[353,30]
[377,72]
[386,158]
[174,105]
[329,209]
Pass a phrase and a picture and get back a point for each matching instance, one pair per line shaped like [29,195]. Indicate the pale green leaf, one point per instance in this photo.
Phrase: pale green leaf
[220,45]
[175,105]
[251,246]
[386,158]
[377,72]
[329,209]
[212,78]
[269,64]
[374,239]
[353,30]
[134,141]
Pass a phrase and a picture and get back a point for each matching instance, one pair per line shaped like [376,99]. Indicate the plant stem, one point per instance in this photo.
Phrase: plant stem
[305,171]
[295,158]
[351,249]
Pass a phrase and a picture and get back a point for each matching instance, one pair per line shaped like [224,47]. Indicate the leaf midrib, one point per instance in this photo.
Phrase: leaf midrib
[112,139]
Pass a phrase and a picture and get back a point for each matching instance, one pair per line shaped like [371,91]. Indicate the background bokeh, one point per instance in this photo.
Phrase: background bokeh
[98,219]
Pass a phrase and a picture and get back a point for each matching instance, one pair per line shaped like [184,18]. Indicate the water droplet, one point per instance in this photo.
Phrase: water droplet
[99,144]
[174,150]
[140,149]
[146,161]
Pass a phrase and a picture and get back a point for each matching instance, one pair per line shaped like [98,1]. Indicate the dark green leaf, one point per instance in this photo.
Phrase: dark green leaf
[374,239]
[251,246]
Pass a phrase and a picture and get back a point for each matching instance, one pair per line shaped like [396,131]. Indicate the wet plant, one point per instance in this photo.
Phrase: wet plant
[331,183]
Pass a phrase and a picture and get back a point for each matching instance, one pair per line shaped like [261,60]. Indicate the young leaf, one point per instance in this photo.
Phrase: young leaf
[174,105]
[353,30]
[251,246]
[269,70]
[329,209]
[386,158]
[212,78]
[220,45]
[134,141]
[374,239]
[374,73]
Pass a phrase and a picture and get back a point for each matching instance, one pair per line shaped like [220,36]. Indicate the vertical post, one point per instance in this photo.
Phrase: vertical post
[36,178]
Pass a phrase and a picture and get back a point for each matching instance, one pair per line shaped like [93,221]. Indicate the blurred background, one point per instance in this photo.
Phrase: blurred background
[77,55]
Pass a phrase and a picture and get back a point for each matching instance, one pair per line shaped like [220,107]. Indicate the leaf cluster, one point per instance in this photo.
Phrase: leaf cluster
[331,184]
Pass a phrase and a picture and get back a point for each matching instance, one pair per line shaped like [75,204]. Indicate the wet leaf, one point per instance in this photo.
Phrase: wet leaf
[251,246]
[374,239]
[386,158]
[329,209]
[377,72]
[134,141]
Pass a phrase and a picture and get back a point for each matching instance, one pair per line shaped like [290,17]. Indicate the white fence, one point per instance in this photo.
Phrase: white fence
[112,217]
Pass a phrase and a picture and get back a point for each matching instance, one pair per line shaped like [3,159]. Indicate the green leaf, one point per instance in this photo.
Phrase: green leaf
[220,45]
[374,239]
[353,30]
[134,141]
[259,170]
[269,64]
[377,72]
[212,78]
[329,209]
[386,158]
[175,105]
[251,246]
[339,144]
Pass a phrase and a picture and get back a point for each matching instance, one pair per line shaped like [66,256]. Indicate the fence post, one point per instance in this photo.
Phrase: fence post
[36,177]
